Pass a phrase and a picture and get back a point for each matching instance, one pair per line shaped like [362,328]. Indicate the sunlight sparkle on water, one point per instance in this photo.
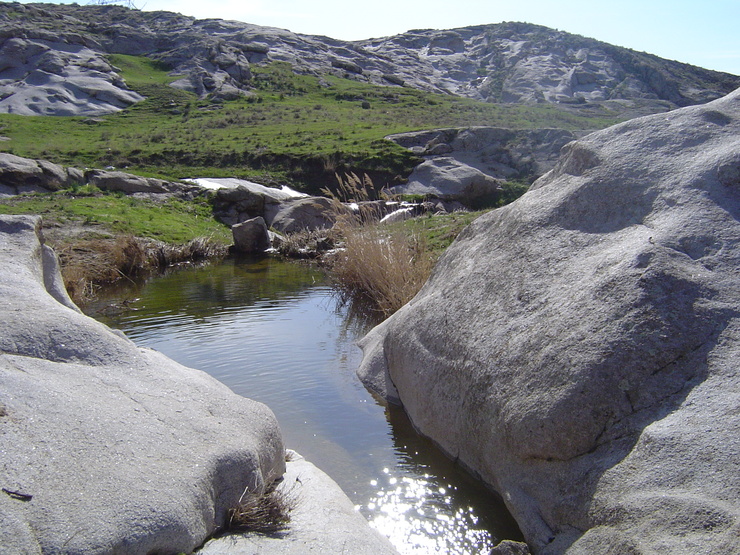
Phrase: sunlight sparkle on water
[419,516]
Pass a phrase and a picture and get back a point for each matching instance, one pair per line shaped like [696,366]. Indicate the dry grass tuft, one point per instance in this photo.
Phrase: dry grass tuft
[383,268]
[87,264]
[266,514]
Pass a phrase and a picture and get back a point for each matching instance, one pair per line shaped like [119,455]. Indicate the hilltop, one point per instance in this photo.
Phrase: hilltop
[506,62]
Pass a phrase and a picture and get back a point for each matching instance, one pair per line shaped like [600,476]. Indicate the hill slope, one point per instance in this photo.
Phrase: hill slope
[59,50]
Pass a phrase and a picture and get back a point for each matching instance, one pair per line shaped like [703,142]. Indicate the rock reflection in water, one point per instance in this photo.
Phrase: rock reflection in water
[273,331]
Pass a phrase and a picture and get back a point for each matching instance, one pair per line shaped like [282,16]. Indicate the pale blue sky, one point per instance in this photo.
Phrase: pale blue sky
[704,33]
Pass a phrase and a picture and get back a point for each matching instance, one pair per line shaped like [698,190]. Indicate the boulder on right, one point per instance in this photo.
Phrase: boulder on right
[579,348]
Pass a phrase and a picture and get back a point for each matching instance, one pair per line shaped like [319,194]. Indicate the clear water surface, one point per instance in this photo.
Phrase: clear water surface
[275,332]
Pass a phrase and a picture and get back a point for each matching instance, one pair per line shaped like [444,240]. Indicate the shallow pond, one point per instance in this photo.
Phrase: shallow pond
[275,332]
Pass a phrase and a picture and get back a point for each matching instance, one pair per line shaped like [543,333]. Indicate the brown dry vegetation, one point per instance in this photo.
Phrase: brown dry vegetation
[380,267]
[89,263]
[266,514]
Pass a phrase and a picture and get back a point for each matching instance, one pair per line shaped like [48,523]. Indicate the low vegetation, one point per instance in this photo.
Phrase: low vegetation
[266,514]
[101,238]
[295,128]
[380,267]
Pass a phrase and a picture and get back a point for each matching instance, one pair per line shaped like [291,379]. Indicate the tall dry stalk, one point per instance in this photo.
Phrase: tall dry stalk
[383,268]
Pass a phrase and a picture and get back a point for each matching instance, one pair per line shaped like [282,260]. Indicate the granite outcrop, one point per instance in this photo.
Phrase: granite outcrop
[108,447]
[52,61]
[578,349]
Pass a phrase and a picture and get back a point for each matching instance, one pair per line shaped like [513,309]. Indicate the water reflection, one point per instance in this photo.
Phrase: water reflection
[274,331]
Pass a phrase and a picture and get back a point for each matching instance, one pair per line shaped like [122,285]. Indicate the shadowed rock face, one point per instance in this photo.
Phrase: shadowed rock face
[112,448]
[62,48]
[579,347]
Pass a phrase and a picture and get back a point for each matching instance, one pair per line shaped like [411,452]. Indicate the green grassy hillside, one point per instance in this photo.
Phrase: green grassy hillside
[295,128]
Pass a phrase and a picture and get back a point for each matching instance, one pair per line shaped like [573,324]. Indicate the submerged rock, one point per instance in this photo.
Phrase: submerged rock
[578,348]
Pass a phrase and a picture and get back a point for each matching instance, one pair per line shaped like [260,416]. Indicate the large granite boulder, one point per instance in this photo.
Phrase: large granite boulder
[127,183]
[578,348]
[57,76]
[107,447]
[521,154]
[309,213]
[251,236]
[237,200]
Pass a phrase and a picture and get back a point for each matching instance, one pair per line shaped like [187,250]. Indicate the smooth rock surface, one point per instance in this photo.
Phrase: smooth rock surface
[579,348]
[57,77]
[447,179]
[309,213]
[324,520]
[128,183]
[117,448]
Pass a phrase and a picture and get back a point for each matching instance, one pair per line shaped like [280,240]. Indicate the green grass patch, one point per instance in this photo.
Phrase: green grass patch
[438,230]
[172,221]
[296,128]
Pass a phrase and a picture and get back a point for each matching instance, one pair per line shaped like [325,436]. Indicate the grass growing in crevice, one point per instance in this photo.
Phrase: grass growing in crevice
[266,514]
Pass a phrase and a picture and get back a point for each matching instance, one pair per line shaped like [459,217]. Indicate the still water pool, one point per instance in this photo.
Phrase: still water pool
[275,332]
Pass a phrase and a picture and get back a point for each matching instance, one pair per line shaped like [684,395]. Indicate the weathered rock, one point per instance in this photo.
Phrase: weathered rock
[447,179]
[23,175]
[307,213]
[57,77]
[520,154]
[324,520]
[510,62]
[508,547]
[251,236]
[127,183]
[578,348]
[108,447]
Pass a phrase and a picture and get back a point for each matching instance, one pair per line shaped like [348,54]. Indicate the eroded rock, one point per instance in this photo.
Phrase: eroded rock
[577,348]
[23,175]
[308,213]
[110,447]
[251,236]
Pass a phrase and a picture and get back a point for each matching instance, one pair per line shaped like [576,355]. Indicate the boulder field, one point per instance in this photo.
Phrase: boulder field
[579,348]
[106,447]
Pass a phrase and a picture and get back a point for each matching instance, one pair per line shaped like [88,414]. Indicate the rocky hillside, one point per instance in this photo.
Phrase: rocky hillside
[52,61]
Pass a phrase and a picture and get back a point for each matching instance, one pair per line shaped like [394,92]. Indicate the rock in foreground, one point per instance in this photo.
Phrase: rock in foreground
[324,520]
[579,348]
[107,447]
